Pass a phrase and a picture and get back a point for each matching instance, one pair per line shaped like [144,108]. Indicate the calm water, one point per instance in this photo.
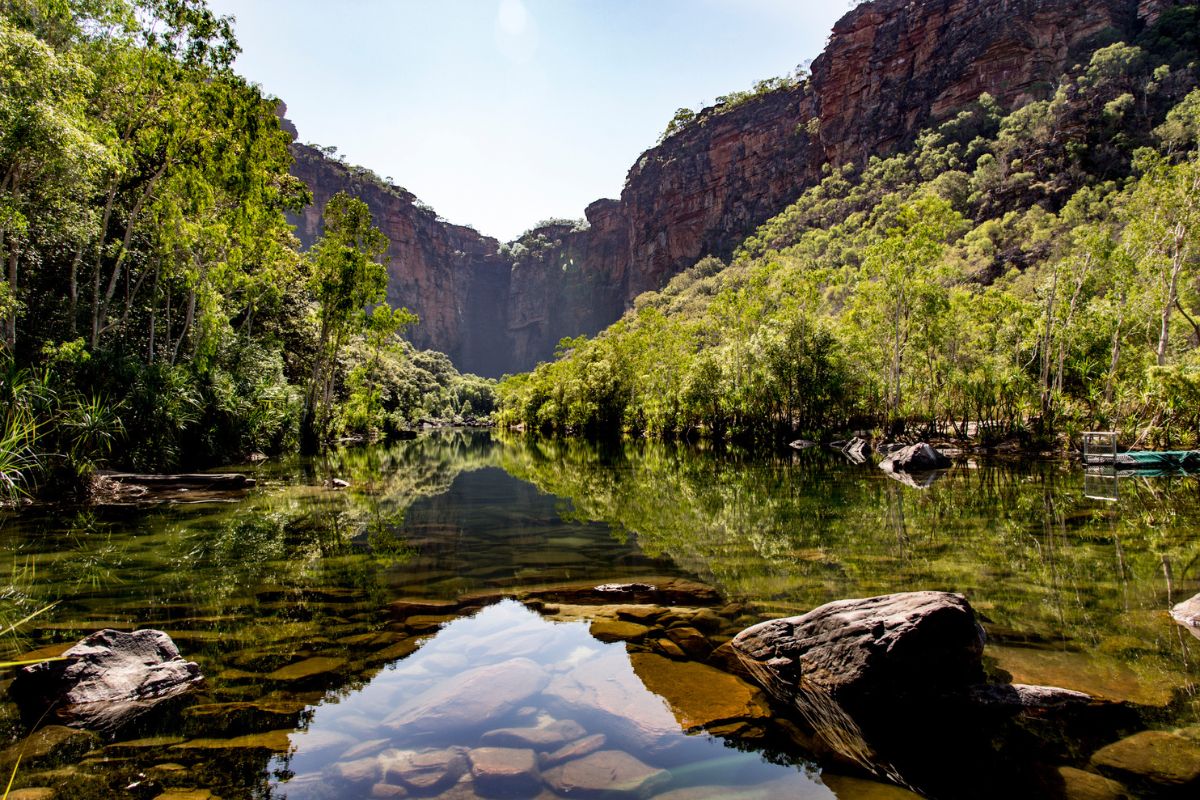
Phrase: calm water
[356,644]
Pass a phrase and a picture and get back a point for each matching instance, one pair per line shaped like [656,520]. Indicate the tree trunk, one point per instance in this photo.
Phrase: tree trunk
[1179,252]
[1110,383]
[100,240]
[10,324]
[101,316]
[187,326]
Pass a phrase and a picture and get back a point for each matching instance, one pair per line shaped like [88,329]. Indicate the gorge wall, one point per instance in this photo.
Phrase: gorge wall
[889,69]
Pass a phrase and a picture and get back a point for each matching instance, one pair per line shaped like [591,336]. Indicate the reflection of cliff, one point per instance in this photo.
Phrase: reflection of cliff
[889,68]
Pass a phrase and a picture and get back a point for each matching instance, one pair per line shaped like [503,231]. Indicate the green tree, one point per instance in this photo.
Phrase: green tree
[349,273]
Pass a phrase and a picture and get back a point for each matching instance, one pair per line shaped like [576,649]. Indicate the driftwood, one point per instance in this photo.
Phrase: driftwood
[228,481]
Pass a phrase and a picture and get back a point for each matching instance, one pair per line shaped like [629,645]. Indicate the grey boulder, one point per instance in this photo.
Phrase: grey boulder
[106,681]
[870,654]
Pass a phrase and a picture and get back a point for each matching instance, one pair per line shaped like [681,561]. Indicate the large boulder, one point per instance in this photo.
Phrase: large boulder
[869,655]
[920,457]
[106,681]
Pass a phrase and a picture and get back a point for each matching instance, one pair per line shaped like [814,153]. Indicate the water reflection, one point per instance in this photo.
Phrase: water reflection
[287,598]
[505,703]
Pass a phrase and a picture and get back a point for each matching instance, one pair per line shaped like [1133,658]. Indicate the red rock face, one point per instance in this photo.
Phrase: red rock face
[449,275]
[891,67]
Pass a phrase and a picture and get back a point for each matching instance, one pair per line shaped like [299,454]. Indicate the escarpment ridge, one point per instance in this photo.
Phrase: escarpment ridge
[890,68]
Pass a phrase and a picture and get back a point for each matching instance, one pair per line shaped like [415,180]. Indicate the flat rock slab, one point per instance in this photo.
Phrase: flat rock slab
[697,694]
[505,770]
[478,696]
[48,746]
[607,773]
[1096,674]
[107,680]
[307,670]
[32,793]
[543,737]
[1151,759]
[869,655]
[606,685]
[242,717]
[577,749]
[272,741]
[609,630]
[648,591]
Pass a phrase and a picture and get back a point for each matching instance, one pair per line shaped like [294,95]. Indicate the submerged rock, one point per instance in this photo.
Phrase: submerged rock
[273,741]
[1152,760]
[505,771]
[698,695]
[48,746]
[605,687]
[544,737]
[1092,673]
[920,457]
[426,771]
[871,653]
[610,630]
[106,681]
[1078,784]
[242,717]
[577,749]
[479,695]
[310,669]
[607,773]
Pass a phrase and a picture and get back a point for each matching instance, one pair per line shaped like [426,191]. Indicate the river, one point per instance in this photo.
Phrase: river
[433,629]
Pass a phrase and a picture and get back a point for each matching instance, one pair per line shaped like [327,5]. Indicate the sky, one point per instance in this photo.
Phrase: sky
[502,113]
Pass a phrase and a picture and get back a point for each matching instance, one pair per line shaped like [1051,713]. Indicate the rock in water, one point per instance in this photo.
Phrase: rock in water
[106,681]
[1155,762]
[505,771]
[607,773]
[857,450]
[475,698]
[869,655]
[919,457]
[1187,614]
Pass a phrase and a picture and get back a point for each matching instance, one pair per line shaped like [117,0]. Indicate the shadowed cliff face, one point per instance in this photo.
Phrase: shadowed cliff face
[890,68]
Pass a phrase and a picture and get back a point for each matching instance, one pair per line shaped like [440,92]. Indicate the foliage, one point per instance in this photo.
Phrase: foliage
[150,282]
[1006,275]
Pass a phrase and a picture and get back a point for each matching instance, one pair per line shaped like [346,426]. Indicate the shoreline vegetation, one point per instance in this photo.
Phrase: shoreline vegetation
[1014,277]
[156,310]
[1010,279]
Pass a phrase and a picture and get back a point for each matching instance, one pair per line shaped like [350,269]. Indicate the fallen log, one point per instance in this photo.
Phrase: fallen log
[226,481]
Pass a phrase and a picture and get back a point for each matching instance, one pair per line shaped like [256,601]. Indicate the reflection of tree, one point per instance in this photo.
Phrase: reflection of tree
[789,533]
[212,559]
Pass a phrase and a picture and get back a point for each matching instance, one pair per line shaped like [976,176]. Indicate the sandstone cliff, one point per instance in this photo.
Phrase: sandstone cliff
[890,68]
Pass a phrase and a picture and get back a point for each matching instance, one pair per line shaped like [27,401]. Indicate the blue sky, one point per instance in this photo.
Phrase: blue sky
[501,113]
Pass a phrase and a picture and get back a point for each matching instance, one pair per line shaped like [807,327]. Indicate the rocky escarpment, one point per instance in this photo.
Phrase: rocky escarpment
[891,67]
[450,275]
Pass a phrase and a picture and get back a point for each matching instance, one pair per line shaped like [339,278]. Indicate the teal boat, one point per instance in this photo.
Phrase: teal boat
[1100,449]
